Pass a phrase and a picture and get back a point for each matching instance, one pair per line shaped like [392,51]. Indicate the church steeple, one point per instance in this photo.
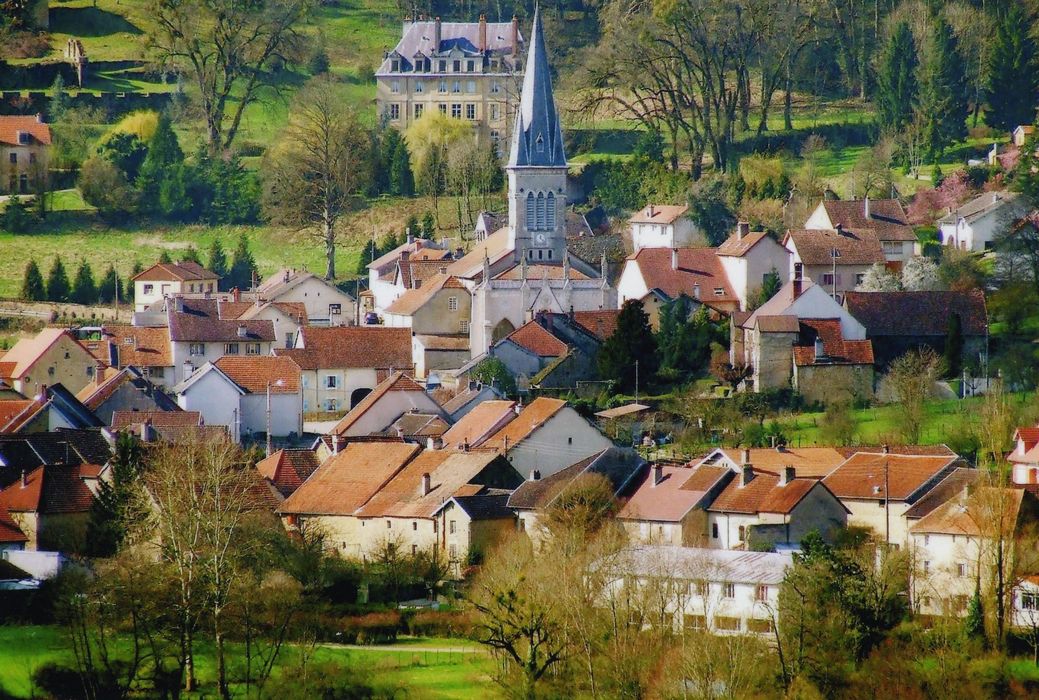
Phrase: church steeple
[537,139]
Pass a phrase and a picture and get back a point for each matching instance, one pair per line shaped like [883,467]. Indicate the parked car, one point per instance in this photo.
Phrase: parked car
[372,319]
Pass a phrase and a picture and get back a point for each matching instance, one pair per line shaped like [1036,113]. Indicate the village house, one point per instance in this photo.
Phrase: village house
[246,394]
[975,225]
[666,504]
[467,70]
[164,426]
[834,259]
[480,423]
[322,302]
[1024,458]
[664,226]
[717,591]
[389,400]
[286,316]
[52,408]
[810,462]
[884,218]
[126,389]
[748,259]
[342,365]
[25,143]
[694,272]
[146,348]
[469,398]
[287,469]
[162,280]
[199,335]
[385,285]
[528,350]
[52,356]
[438,313]
[897,322]
[952,543]
[879,488]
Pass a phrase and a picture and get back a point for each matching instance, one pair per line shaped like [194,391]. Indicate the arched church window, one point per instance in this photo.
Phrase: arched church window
[530,209]
[550,218]
[539,219]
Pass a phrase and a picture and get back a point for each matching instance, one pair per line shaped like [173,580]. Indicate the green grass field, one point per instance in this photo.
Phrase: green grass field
[437,669]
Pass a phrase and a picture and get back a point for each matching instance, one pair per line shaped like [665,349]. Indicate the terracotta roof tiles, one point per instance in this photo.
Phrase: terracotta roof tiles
[696,266]
[536,340]
[659,214]
[476,426]
[51,489]
[854,246]
[140,346]
[680,490]
[763,494]
[886,217]
[736,247]
[287,469]
[600,324]
[349,347]
[177,272]
[918,313]
[532,417]
[837,351]
[10,125]
[862,476]
[395,382]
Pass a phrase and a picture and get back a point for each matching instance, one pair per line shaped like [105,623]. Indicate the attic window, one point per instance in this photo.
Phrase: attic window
[128,340]
[23,138]
[719,292]
[539,144]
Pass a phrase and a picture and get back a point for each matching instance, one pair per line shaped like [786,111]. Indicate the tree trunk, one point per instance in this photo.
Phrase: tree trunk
[189,662]
[330,249]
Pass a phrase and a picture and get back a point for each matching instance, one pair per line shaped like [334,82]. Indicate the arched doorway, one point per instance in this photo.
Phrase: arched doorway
[358,395]
[503,328]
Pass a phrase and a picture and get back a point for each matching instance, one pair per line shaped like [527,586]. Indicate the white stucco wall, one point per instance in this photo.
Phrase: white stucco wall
[216,399]
[564,439]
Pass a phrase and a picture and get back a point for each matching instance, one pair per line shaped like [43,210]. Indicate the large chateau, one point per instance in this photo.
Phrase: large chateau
[467,70]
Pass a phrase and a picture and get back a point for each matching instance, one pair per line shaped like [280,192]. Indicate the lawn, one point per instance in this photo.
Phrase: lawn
[462,672]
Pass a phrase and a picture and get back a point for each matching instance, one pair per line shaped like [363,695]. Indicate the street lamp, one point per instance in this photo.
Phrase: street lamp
[279,382]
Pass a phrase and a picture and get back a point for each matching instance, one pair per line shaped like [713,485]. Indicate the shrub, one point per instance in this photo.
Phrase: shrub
[373,628]
[318,63]
[103,185]
[433,623]
[366,74]
[27,45]
[17,217]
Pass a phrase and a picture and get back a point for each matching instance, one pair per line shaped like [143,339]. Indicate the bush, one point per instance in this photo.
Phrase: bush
[103,185]
[27,45]
[325,680]
[366,74]
[373,628]
[318,63]
[17,217]
[433,623]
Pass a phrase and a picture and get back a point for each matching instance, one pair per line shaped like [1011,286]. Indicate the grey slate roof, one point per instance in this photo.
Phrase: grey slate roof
[984,204]
[537,139]
[464,37]
[618,465]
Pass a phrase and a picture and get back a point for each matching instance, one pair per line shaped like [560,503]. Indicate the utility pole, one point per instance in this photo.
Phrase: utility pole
[636,381]
[834,254]
[268,418]
[887,498]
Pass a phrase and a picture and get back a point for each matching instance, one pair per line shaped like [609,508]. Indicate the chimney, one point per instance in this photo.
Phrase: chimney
[535,475]
[515,36]
[436,34]
[674,258]
[434,443]
[25,482]
[820,352]
[746,475]
[658,473]
[865,207]
[839,228]
[146,431]
[178,304]
[651,211]
[39,118]
[742,229]
[242,331]
[696,290]
[410,237]
[427,485]
[483,33]
[236,295]
[787,475]
[745,456]
[798,285]
[465,445]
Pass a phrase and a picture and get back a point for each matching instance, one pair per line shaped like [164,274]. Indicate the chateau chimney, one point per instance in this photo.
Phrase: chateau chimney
[658,473]
[515,36]
[742,229]
[674,258]
[242,331]
[746,475]
[535,475]
[865,207]
[787,475]
[427,485]
[483,33]
[436,34]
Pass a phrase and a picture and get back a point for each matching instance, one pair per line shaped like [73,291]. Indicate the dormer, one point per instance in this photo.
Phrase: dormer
[23,138]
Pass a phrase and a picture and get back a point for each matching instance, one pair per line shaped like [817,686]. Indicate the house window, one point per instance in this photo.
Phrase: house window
[703,589]
[759,626]
[495,87]
[727,624]
[456,110]
[961,570]
[442,108]
[148,289]
[892,247]
[331,405]
[1029,600]
[470,86]
[331,381]
[927,567]
[442,66]
[289,338]
[230,348]
[728,590]
[419,86]
[761,592]
[389,524]
[14,159]
[418,109]
[452,552]
[414,525]
[443,86]
[252,348]
[714,530]
[742,533]
[456,86]
[196,349]
[452,303]
[394,112]
[414,549]
[798,270]
[695,622]
[828,278]
[859,277]
[927,540]
[463,326]
[451,527]
[335,309]
[719,291]
[456,66]
[32,157]
[470,66]
[157,372]
[395,66]
[395,87]
[470,111]
[495,112]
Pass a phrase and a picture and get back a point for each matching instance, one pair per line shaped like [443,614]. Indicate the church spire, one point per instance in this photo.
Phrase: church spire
[537,139]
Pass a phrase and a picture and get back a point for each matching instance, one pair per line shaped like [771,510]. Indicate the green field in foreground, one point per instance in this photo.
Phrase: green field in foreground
[439,669]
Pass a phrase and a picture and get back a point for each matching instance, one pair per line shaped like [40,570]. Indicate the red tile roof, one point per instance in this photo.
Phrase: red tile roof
[140,346]
[11,409]
[200,321]
[536,340]
[658,214]
[395,382]
[476,426]
[918,313]
[886,217]
[348,347]
[763,494]
[854,246]
[532,417]
[862,476]
[287,469]
[837,350]
[10,533]
[973,513]
[51,489]
[695,266]
[174,272]
[680,490]
[11,125]
[737,247]
[601,324]
[414,299]
[254,374]
[1027,434]
[159,419]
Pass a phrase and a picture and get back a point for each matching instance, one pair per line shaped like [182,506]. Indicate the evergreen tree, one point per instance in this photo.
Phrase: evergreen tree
[218,262]
[429,225]
[190,255]
[107,290]
[896,80]
[943,92]
[32,284]
[1012,72]
[130,288]
[402,179]
[164,257]
[974,623]
[57,282]
[370,253]
[632,342]
[59,100]
[771,283]
[412,227]
[119,505]
[243,266]
[175,201]
[954,347]
[84,290]
[683,342]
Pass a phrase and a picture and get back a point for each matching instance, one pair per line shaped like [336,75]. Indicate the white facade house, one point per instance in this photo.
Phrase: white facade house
[748,258]
[215,395]
[395,396]
[168,279]
[719,591]
[664,226]
[326,304]
[975,225]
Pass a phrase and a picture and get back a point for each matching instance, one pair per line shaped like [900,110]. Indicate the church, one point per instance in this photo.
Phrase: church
[524,267]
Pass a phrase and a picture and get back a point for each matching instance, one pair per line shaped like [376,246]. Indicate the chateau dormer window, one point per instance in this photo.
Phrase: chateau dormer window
[395,66]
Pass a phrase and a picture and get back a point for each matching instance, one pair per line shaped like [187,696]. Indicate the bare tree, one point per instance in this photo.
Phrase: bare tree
[911,379]
[228,48]
[317,172]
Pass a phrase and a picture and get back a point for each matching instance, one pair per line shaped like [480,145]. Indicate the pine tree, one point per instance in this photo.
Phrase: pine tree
[1012,72]
[402,179]
[243,266]
[190,255]
[59,100]
[130,287]
[32,284]
[57,282]
[165,257]
[118,507]
[412,227]
[106,288]
[84,291]
[162,160]
[429,225]
[218,262]
[974,624]
[896,80]
[943,92]
[632,344]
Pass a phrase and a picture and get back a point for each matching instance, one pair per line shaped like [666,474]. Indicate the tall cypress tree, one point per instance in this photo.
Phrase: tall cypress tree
[943,92]
[402,180]
[119,506]
[896,79]
[164,155]
[1012,72]
[84,291]
[243,266]
[57,282]
[106,291]
[632,342]
[218,262]
[32,283]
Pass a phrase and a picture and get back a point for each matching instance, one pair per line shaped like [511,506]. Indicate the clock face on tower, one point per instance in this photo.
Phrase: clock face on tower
[540,239]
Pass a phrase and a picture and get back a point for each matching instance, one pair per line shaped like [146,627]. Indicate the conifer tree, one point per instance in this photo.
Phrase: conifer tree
[429,225]
[84,290]
[107,290]
[218,262]
[1012,80]
[402,180]
[243,266]
[137,268]
[896,79]
[32,284]
[59,100]
[190,255]
[632,342]
[165,257]
[943,92]
[57,282]
[412,227]
[119,504]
